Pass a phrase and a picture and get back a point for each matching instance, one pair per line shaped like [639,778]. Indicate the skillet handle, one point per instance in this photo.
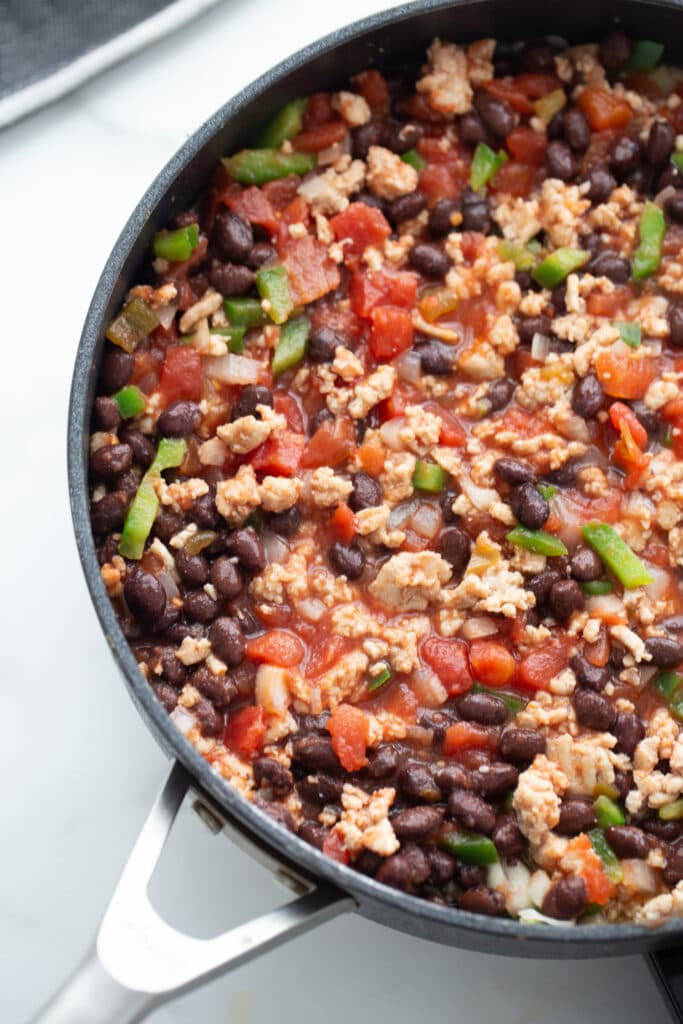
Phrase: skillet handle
[139,961]
[666,968]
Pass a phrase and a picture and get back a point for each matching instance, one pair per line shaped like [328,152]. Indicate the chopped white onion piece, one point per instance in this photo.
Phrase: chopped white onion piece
[653,345]
[422,737]
[232,369]
[332,153]
[660,582]
[275,547]
[166,314]
[639,876]
[428,688]
[575,428]
[168,583]
[531,916]
[311,608]
[271,690]
[390,433]
[477,626]
[182,719]
[427,520]
[607,606]
[540,347]
[401,514]
[516,891]
[481,497]
[408,366]
[539,883]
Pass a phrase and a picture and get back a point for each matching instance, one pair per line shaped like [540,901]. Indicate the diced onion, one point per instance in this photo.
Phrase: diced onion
[427,520]
[182,719]
[540,347]
[422,737]
[608,607]
[481,497]
[639,876]
[331,154]
[166,314]
[311,608]
[271,691]
[401,514]
[653,345]
[575,428]
[390,433]
[661,580]
[408,366]
[233,369]
[477,626]
[275,547]
[539,883]
[531,916]
[428,688]
[168,583]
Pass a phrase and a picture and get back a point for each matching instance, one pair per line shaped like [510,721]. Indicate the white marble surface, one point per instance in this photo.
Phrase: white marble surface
[78,767]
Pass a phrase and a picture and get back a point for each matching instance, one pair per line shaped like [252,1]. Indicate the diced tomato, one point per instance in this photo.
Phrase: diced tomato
[362,225]
[295,212]
[597,652]
[371,456]
[440,181]
[535,84]
[624,374]
[391,333]
[374,89]
[506,89]
[253,205]
[245,732]
[526,145]
[320,137]
[281,192]
[381,288]
[514,178]
[603,109]
[181,375]
[332,443]
[343,523]
[630,457]
[541,665]
[452,433]
[467,736]
[473,313]
[288,407]
[279,455]
[395,404]
[319,109]
[609,305]
[276,647]
[398,700]
[492,663]
[311,272]
[622,415]
[448,658]
[349,728]
[323,653]
[333,847]
[600,888]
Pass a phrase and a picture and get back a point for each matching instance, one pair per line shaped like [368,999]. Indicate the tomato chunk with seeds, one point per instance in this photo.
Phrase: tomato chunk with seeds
[360,226]
[448,658]
[392,331]
[349,728]
[245,732]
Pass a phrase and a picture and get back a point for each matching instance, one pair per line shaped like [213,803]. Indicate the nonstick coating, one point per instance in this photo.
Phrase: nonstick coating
[391,38]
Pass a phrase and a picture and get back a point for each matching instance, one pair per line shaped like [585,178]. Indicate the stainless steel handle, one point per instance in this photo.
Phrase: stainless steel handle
[138,960]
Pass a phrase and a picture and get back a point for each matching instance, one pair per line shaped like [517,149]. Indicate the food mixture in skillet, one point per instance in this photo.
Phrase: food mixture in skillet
[387,477]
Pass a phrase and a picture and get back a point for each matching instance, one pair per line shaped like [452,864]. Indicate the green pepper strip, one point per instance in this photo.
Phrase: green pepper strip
[511,702]
[554,268]
[651,231]
[415,159]
[676,706]
[677,161]
[427,476]
[291,348]
[273,286]
[606,854]
[234,336]
[667,683]
[135,322]
[245,312]
[595,588]
[536,540]
[470,849]
[630,334]
[130,401]
[522,257]
[547,491]
[176,246]
[143,509]
[608,812]
[616,554]
[257,166]
[672,811]
[380,680]
[485,164]
[285,125]
[645,56]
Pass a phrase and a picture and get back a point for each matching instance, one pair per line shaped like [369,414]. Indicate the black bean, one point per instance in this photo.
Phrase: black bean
[454,545]
[577,131]
[482,900]
[675,318]
[439,224]
[405,871]
[436,359]
[166,524]
[278,812]
[592,676]
[529,506]
[446,505]
[664,651]
[576,816]
[673,867]
[614,50]
[537,57]
[142,448]
[566,597]
[452,776]
[542,583]
[227,640]
[129,481]
[166,695]
[484,708]
[602,184]
[198,282]
[320,789]
[145,596]
[226,577]
[495,780]
[560,161]
[109,512]
[110,460]
[629,731]
[471,129]
[315,754]
[285,524]
[245,545]
[666,831]
[476,216]
[586,565]
[231,278]
[623,782]
[117,369]
[192,569]
[323,344]
[660,142]
[566,899]
[220,690]
[401,137]
[179,630]
[366,492]
[260,254]
[210,721]
[269,772]
[369,199]
[347,559]
[593,710]
[521,745]
[173,669]
[406,207]
[366,135]
[232,236]
[471,811]
[382,762]
[429,259]
[588,397]
[514,471]
[441,865]
[628,842]
[497,115]
[417,822]
[313,833]
[179,419]
[106,414]
[624,155]
[417,783]
[674,206]
[507,837]
[200,606]
[528,326]
[609,264]
[641,179]
[249,397]
[499,392]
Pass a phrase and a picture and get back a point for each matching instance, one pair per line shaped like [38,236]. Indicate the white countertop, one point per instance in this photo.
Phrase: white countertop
[79,767]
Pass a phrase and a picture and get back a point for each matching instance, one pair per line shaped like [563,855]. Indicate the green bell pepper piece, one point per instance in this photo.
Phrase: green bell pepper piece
[667,683]
[415,159]
[135,322]
[630,334]
[176,246]
[485,164]
[616,554]
[672,811]
[651,231]
[291,348]
[143,509]
[610,861]
[427,476]
[234,336]
[645,56]
[547,491]
[608,812]
[470,849]
[130,401]
[668,438]
[285,125]
[536,540]
[676,706]
[245,312]
[512,703]
[380,680]
[522,257]
[554,268]
[594,588]
[677,161]
[273,286]
[257,166]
